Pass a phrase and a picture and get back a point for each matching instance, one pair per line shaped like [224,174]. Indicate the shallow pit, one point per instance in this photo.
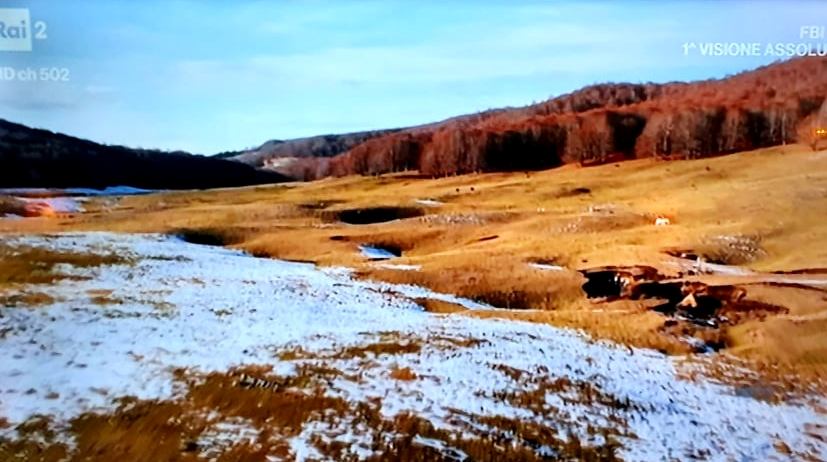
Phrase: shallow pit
[370,215]
[206,236]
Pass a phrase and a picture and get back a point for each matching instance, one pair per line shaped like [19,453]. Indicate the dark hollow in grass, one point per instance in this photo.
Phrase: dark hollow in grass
[601,284]
[209,236]
[370,215]
[613,281]
[575,192]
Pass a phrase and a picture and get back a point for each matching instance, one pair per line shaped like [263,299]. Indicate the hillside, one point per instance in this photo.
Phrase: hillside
[768,106]
[276,154]
[40,158]
[529,241]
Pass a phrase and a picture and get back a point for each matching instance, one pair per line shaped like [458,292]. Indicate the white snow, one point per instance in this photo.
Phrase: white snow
[211,308]
[58,204]
[399,266]
[223,434]
[376,253]
[546,267]
[67,200]
[429,202]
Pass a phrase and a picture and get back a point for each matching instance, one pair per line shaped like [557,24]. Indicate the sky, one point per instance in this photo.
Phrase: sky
[212,76]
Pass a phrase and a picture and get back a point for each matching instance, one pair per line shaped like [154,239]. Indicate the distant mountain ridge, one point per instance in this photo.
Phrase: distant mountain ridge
[768,106]
[31,157]
[273,152]
[771,105]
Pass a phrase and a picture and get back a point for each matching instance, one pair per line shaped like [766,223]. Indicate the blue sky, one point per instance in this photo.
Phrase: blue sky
[210,76]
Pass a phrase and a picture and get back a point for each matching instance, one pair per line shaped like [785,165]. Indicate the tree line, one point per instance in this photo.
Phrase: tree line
[773,105]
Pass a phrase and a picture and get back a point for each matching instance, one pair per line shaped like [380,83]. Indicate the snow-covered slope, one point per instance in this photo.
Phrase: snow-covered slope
[210,308]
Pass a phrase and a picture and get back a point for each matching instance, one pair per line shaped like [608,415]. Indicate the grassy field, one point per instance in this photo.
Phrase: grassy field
[475,235]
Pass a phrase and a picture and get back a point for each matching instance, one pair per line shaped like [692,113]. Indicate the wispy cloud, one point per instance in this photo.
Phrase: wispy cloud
[529,50]
[212,76]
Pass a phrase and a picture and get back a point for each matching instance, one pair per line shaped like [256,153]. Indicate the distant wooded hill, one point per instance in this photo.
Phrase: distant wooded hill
[768,106]
[32,157]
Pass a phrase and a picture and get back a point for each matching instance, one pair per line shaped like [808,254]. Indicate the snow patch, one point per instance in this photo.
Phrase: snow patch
[376,253]
[547,267]
[58,204]
[429,202]
[399,267]
[212,308]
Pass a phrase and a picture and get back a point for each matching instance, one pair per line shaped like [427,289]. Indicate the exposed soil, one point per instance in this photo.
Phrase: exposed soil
[613,281]
[689,306]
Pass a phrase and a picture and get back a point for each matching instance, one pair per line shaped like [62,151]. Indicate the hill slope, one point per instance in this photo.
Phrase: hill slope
[39,158]
[274,153]
[601,123]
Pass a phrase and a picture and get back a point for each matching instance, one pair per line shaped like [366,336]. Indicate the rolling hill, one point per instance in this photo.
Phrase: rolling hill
[768,106]
[279,152]
[39,158]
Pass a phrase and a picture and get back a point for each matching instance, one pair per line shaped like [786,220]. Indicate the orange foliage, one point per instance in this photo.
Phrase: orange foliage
[605,123]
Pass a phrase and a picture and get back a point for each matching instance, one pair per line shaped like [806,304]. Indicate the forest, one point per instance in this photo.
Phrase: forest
[780,103]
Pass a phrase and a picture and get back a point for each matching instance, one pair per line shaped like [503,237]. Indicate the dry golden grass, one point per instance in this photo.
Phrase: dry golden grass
[25,299]
[105,300]
[402,373]
[28,265]
[478,241]
[439,306]
[378,349]
[173,430]
[633,326]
